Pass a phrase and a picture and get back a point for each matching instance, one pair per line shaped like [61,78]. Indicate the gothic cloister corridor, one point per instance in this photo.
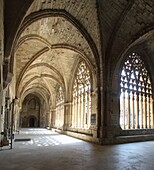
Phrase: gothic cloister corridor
[81,68]
[49,150]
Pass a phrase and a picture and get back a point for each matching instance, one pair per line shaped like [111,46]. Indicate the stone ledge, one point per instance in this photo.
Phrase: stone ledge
[126,139]
[134,138]
[85,137]
[78,135]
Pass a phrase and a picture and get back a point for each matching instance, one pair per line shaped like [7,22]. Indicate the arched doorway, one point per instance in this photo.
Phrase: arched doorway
[31,110]
[31,122]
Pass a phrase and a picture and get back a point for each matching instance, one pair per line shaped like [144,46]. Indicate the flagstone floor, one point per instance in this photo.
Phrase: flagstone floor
[42,149]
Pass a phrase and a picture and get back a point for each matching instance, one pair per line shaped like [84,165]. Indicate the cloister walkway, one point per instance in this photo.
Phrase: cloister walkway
[47,150]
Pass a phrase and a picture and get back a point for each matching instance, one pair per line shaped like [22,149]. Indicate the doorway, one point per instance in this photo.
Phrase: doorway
[32,122]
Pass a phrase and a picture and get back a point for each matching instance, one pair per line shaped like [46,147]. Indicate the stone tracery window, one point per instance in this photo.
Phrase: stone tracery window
[136,103]
[60,95]
[81,97]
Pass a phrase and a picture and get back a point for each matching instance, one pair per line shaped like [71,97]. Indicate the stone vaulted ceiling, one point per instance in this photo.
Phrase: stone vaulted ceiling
[48,61]
[125,22]
[48,50]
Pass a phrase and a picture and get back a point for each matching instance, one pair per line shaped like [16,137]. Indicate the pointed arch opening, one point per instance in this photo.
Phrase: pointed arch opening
[81,110]
[136,102]
[31,115]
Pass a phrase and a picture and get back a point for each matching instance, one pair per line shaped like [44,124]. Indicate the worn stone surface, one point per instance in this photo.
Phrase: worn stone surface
[136,23]
[83,11]
[66,46]
[49,150]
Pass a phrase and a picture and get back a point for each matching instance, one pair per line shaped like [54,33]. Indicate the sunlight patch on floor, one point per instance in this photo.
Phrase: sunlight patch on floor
[47,138]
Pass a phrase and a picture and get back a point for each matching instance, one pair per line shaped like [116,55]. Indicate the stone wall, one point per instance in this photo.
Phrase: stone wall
[126,26]
[1,61]
[1,67]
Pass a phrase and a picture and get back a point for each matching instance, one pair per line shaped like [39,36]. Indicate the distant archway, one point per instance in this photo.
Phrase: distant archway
[32,121]
[31,115]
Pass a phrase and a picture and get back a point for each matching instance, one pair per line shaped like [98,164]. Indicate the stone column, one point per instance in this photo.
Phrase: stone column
[16,115]
[67,115]
[144,115]
[141,107]
[133,108]
[145,111]
[73,112]
[129,110]
[76,111]
[137,110]
[151,111]
[123,105]
[93,110]
[148,111]
[53,114]
[48,119]
[83,111]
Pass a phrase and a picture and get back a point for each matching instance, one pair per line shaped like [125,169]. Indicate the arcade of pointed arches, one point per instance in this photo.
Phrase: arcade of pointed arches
[81,104]
[136,102]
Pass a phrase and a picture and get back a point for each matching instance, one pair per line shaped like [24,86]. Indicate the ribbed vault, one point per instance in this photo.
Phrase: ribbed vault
[46,54]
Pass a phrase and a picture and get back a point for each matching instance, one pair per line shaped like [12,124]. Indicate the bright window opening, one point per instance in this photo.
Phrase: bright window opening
[81,111]
[136,103]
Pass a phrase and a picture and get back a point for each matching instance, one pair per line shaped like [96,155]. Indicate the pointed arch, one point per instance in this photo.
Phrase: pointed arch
[81,107]
[136,102]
